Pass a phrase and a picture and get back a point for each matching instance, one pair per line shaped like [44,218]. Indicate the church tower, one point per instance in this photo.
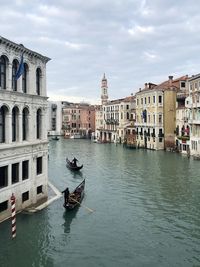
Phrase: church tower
[104,90]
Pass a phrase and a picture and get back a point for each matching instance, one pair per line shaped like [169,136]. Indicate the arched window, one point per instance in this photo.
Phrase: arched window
[38,81]
[24,78]
[3,72]
[2,125]
[38,124]
[14,124]
[25,124]
[14,71]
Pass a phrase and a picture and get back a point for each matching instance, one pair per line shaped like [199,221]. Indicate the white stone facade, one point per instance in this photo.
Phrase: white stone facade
[23,128]
[193,105]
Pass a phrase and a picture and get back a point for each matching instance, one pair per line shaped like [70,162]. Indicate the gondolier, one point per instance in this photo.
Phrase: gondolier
[74,162]
[74,198]
[66,194]
[72,166]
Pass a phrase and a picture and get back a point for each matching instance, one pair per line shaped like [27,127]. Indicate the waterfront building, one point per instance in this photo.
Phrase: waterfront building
[78,120]
[156,114]
[98,121]
[130,130]
[54,117]
[193,105]
[182,126]
[23,127]
[114,116]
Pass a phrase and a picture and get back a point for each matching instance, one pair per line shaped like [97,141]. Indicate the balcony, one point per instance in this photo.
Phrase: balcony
[195,121]
[184,137]
[112,122]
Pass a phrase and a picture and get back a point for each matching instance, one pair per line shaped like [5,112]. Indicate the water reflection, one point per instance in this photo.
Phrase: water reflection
[68,217]
[76,174]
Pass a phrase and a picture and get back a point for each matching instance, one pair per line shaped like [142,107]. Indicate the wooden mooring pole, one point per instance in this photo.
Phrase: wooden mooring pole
[13,216]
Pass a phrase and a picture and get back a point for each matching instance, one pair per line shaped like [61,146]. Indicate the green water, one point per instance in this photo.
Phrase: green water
[147,212]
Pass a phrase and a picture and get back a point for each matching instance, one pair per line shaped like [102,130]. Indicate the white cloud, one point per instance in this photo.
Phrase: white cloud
[140,31]
[124,39]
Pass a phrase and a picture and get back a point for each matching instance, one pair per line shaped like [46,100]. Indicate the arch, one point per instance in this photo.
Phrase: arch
[38,124]
[25,123]
[15,123]
[38,81]
[3,113]
[3,71]
[15,65]
[25,78]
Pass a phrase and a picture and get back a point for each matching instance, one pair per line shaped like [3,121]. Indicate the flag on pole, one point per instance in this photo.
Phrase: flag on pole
[20,70]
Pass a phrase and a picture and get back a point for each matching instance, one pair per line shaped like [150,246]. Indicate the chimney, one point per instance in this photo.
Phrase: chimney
[146,86]
[170,80]
[139,89]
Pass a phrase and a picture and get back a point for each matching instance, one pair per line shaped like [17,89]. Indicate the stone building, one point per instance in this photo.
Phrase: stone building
[23,129]
[54,118]
[113,116]
[78,120]
[156,114]
[193,105]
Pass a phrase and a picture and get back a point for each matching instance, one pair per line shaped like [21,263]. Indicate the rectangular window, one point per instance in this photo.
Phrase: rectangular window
[25,165]
[160,99]
[39,165]
[154,99]
[39,190]
[15,173]
[149,99]
[3,206]
[25,196]
[160,118]
[3,176]
[182,84]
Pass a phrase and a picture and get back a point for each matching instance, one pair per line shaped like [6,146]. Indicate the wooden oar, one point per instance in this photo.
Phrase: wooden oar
[81,204]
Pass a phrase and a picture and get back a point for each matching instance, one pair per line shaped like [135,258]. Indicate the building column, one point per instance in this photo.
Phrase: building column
[20,128]
[20,171]
[9,175]
[9,77]
[9,128]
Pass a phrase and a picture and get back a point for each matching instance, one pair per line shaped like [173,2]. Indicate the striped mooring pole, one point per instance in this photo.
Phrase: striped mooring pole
[13,216]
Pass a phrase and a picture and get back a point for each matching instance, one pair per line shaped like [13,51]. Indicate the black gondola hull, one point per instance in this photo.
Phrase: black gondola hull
[73,168]
[77,195]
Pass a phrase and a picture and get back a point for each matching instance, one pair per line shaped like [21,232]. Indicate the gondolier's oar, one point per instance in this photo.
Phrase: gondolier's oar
[81,204]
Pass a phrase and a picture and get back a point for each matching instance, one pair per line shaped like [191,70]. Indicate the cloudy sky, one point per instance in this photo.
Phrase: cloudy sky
[131,41]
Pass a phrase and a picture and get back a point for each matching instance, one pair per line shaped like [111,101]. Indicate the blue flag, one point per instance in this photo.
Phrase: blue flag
[20,70]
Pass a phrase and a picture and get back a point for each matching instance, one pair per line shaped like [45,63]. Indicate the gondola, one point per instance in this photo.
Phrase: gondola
[71,166]
[75,197]
[55,138]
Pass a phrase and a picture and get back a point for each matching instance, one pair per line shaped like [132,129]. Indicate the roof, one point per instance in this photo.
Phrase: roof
[169,84]
[22,48]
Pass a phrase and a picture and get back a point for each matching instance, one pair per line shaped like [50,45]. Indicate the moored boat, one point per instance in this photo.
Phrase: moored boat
[55,138]
[72,166]
[74,198]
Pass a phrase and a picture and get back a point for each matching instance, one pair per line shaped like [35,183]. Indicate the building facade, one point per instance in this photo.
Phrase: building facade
[156,114]
[78,119]
[182,125]
[23,128]
[54,118]
[193,105]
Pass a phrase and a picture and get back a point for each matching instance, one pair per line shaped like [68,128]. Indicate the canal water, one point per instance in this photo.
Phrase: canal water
[146,212]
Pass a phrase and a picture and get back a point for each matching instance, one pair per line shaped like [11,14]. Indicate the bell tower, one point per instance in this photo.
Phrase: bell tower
[104,90]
